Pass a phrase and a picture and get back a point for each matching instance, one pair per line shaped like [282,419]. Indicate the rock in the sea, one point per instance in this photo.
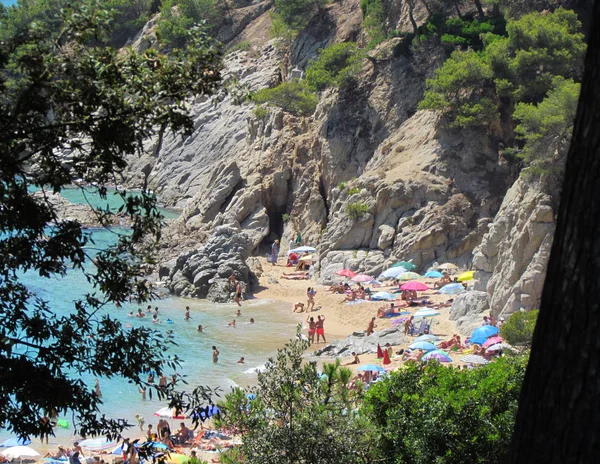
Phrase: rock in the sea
[361,344]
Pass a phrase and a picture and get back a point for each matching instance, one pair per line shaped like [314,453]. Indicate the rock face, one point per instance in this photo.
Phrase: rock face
[361,344]
[468,310]
[512,257]
[367,178]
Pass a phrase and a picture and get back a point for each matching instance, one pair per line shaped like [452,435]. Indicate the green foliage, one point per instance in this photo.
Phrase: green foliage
[518,328]
[129,16]
[178,16]
[294,97]
[434,414]
[285,217]
[356,210]
[341,185]
[336,66]
[260,112]
[548,124]
[98,105]
[291,16]
[374,20]
[297,415]
[521,67]
[244,45]
[353,191]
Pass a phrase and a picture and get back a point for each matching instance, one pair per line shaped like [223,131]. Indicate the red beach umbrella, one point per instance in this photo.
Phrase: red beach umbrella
[379,352]
[345,273]
[414,286]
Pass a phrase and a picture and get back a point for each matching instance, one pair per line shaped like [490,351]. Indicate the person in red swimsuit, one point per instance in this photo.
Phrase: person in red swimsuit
[320,328]
[312,327]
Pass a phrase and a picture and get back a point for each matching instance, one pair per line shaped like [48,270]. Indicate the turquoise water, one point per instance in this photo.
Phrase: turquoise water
[9,2]
[255,342]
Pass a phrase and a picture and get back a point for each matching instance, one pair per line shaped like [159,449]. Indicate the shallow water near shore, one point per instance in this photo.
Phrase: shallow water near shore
[274,326]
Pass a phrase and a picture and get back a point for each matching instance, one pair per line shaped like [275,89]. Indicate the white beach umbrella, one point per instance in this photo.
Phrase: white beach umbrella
[19,452]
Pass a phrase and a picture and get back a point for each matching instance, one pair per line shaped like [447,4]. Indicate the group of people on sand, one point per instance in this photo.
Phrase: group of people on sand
[74,455]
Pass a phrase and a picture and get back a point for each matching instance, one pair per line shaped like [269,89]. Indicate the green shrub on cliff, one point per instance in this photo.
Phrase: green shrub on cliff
[472,87]
[336,66]
[294,97]
[356,210]
[177,16]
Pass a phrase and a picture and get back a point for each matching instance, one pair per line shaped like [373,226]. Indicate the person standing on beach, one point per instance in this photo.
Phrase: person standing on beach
[371,327]
[162,382]
[274,252]
[320,328]
[310,296]
[215,354]
[238,293]
[142,391]
[312,327]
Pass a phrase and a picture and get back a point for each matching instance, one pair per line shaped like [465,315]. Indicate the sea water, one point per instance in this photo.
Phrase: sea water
[274,326]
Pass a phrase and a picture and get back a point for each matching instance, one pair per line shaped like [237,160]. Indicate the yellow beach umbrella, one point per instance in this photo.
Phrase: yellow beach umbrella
[466,276]
[306,258]
[408,276]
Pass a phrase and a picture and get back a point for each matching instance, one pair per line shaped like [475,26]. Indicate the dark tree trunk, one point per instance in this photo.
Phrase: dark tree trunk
[479,8]
[559,411]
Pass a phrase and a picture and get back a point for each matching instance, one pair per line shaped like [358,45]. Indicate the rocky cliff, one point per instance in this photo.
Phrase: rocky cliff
[367,179]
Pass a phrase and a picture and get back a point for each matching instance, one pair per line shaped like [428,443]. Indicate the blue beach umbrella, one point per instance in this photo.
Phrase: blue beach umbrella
[383,296]
[434,274]
[452,289]
[485,331]
[14,442]
[393,272]
[371,368]
[425,346]
[303,249]
[426,312]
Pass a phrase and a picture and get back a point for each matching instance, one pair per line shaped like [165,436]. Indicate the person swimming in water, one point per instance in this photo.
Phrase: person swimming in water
[215,354]
[200,328]
[187,313]
[232,323]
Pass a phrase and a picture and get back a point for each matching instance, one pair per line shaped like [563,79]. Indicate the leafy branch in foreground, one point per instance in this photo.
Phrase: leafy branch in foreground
[72,111]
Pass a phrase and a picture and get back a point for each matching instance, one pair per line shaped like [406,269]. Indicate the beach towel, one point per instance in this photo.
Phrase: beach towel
[403,313]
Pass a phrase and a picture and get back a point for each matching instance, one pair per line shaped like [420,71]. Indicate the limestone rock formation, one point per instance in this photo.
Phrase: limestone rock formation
[468,310]
[512,257]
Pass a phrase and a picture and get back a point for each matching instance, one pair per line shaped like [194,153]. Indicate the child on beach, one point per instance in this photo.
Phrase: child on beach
[187,313]
[140,420]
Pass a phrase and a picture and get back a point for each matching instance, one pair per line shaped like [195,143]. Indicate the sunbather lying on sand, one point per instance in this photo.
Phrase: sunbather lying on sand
[414,356]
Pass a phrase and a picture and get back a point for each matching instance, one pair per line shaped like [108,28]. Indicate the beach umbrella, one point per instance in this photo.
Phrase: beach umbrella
[19,452]
[427,338]
[14,442]
[448,267]
[371,368]
[392,272]
[452,289]
[306,258]
[383,296]
[405,264]
[362,278]
[434,274]
[303,249]
[414,286]
[169,413]
[426,312]
[345,273]
[466,276]
[425,346]
[438,355]
[492,341]
[97,444]
[474,359]
[498,346]
[484,331]
[408,276]
[374,282]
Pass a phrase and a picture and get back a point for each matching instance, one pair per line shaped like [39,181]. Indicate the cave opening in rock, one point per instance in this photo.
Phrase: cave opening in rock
[275,228]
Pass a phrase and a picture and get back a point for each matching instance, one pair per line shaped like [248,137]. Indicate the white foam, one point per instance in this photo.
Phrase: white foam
[254,370]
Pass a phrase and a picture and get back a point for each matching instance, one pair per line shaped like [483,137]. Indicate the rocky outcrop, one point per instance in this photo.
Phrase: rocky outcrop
[512,257]
[203,273]
[360,343]
[468,310]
